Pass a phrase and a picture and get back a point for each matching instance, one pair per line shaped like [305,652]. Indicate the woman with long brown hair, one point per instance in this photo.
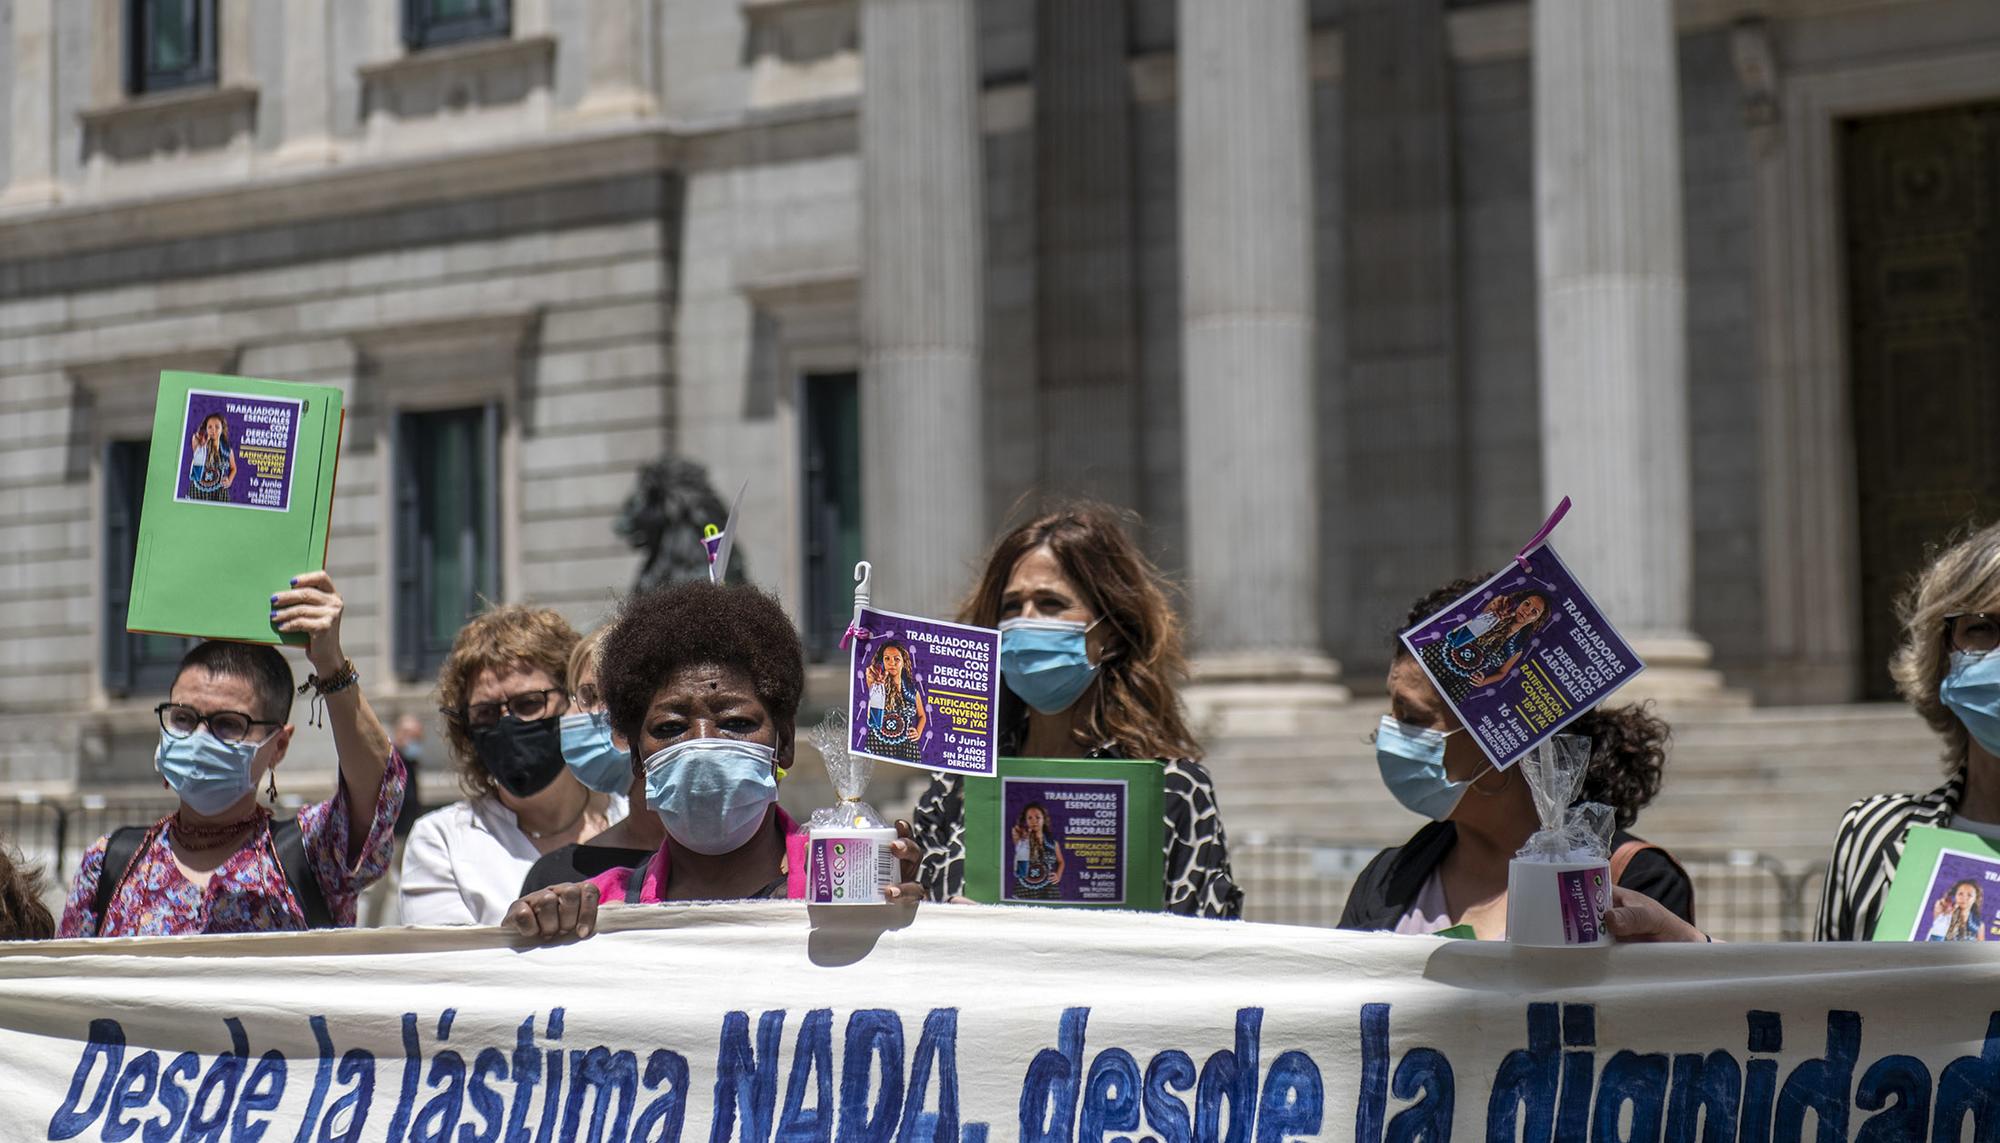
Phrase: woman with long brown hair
[1090,656]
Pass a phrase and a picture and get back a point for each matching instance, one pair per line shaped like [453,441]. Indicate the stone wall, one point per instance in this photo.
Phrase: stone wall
[578,277]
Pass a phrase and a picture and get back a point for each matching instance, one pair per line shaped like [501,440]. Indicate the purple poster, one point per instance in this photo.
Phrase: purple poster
[1064,840]
[1964,895]
[924,693]
[237,450]
[1522,654]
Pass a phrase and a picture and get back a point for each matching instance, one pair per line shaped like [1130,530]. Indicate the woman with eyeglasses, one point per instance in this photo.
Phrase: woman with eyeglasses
[1946,667]
[220,863]
[600,760]
[503,691]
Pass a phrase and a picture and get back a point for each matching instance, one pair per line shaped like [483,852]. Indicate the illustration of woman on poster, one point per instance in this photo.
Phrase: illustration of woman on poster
[896,728]
[214,464]
[1038,859]
[1960,915]
[1486,648]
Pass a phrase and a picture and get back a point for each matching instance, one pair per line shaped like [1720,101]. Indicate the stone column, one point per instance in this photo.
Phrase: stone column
[1248,366]
[1407,442]
[1613,298]
[308,114]
[922,302]
[1085,313]
[32,134]
[620,80]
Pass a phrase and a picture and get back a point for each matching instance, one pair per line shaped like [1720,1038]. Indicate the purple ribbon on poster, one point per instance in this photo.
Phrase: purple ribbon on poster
[1541,537]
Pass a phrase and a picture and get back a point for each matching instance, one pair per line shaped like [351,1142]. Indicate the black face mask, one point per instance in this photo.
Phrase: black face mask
[524,757]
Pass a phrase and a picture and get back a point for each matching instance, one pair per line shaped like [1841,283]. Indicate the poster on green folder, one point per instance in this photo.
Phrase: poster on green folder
[1083,833]
[1946,888]
[239,491]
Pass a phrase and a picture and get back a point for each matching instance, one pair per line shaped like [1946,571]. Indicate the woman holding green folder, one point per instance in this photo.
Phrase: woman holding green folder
[220,863]
[1090,652]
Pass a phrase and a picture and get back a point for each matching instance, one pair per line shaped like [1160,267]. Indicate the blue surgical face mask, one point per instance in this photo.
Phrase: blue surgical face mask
[592,756]
[1971,690]
[1045,662]
[1411,759]
[712,793]
[208,774]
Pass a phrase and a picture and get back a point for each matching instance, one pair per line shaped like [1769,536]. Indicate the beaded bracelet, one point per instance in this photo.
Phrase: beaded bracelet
[346,677]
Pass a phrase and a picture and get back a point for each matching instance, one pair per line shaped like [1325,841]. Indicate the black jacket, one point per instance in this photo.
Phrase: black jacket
[1390,884]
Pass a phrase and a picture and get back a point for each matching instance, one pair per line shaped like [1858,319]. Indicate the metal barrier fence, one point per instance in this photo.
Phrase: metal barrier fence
[1740,894]
[54,833]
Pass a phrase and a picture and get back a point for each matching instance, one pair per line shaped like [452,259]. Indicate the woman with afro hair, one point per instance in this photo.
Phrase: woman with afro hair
[701,683]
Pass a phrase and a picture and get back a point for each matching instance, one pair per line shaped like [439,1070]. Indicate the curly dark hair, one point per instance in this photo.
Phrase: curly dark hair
[697,623]
[23,917]
[1628,744]
[1628,751]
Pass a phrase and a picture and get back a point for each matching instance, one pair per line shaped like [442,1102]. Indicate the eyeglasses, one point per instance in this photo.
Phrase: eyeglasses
[526,706]
[180,720]
[589,697]
[1974,632]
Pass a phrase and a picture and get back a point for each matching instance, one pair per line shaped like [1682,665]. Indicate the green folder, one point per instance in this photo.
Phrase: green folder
[1081,833]
[239,492]
[1946,888]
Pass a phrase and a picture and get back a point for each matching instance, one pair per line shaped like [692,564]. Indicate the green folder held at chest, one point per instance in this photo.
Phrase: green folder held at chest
[1085,833]
[1946,888]
[239,494]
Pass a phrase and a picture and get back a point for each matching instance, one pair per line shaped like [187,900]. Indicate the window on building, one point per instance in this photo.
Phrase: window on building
[832,503]
[432,23]
[172,44]
[447,529]
[133,664]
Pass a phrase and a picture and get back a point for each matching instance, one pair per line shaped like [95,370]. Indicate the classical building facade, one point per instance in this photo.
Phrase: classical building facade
[1340,295]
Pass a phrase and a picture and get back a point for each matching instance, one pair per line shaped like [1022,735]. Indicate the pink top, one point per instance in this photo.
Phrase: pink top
[611,884]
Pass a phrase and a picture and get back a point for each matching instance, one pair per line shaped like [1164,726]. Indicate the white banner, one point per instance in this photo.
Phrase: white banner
[978,1025]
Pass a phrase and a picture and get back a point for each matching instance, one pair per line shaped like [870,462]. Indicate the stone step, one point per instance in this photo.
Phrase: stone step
[1773,780]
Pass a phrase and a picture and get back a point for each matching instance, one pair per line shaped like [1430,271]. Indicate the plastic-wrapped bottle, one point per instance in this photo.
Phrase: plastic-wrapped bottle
[1559,884]
[848,860]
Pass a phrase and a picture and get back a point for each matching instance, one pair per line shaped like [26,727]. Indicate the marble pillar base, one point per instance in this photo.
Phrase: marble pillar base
[1678,674]
[1262,694]
[616,103]
[312,151]
[30,195]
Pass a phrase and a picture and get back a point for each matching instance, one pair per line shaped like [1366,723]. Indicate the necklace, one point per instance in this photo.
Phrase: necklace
[566,826]
[201,835]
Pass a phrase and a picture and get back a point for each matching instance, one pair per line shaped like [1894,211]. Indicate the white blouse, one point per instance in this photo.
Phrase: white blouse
[464,864]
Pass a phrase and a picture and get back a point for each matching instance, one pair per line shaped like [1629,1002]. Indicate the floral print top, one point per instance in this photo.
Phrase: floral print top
[247,893]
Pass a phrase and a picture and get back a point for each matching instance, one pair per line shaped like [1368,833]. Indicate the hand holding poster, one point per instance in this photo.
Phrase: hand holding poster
[1524,653]
[238,499]
[923,692]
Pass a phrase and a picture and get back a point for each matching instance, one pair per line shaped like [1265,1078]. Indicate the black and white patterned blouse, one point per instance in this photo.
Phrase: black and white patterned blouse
[1198,881]
[1866,849]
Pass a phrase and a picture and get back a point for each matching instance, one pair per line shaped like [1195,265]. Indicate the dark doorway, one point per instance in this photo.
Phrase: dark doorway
[1922,216]
[832,507]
